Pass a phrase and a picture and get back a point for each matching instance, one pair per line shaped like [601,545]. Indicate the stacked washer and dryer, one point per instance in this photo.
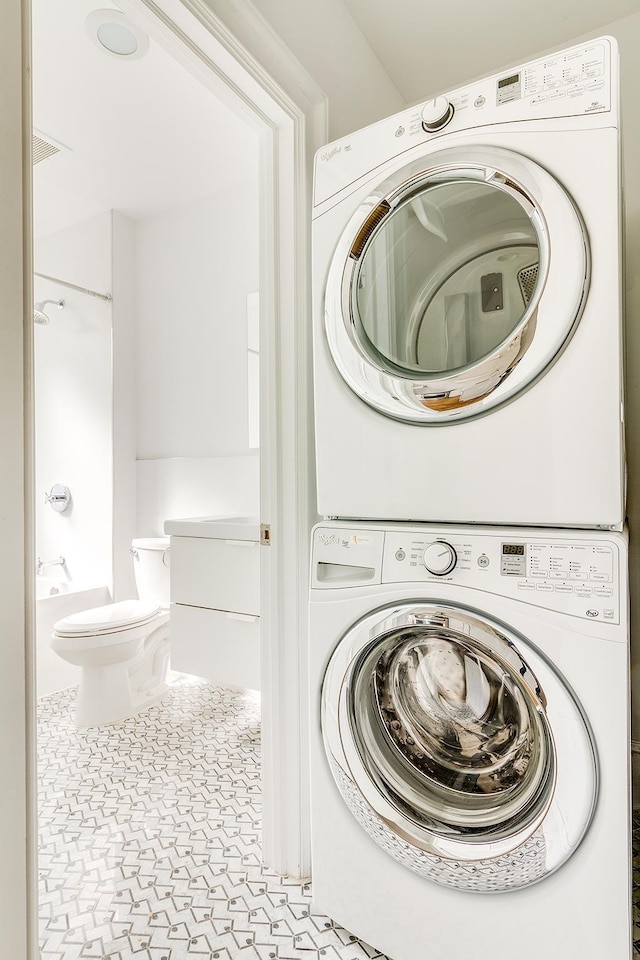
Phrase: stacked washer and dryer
[468,609]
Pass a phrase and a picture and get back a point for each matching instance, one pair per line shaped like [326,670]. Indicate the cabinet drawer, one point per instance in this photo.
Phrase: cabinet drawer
[215,645]
[221,574]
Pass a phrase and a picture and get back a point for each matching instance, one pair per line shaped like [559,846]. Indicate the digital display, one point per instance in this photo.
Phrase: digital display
[507,81]
[513,549]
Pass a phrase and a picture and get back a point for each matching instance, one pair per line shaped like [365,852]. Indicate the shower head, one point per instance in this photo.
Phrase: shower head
[39,314]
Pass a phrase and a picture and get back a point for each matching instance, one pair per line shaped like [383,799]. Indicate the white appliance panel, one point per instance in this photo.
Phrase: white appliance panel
[573,83]
[553,455]
[583,909]
[579,577]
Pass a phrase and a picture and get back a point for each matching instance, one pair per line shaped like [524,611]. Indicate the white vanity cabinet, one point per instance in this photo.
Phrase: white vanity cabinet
[215,599]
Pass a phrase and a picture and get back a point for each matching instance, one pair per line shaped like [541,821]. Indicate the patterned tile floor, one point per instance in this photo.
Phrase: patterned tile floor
[150,840]
[149,836]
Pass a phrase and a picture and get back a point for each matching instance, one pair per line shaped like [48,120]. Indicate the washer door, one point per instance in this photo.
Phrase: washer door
[455,285]
[457,747]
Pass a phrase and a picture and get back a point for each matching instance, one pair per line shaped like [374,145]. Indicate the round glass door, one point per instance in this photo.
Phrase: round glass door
[454,732]
[447,277]
[438,735]
[442,300]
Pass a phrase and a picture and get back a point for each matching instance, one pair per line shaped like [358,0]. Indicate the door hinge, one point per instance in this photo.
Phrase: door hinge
[265,534]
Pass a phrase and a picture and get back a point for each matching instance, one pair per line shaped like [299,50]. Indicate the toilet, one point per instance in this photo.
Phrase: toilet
[123,647]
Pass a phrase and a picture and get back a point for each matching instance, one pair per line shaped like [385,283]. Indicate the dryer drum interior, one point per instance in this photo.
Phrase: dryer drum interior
[443,299]
[451,751]
[439,285]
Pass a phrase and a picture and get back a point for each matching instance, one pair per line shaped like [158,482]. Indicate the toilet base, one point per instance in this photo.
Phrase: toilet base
[105,697]
[113,693]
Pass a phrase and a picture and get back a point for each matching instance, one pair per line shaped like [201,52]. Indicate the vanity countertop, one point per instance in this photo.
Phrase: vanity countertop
[215,528]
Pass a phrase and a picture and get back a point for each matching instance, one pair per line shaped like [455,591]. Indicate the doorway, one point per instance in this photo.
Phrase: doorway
[284,140]
[146,258]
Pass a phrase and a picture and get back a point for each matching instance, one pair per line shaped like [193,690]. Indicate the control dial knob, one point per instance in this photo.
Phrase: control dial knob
[436,114]
[439,558]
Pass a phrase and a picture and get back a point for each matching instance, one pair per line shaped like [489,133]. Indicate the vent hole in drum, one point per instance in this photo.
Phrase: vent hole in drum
[527,279]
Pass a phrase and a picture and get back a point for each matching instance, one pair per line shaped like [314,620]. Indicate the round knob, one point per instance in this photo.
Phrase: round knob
[439,558]
[436,114]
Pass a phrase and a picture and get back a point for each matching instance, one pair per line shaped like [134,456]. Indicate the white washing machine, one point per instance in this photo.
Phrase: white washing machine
[467,304]
[470,740]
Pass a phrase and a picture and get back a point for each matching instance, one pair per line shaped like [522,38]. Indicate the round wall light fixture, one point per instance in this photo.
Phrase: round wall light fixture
[115,34]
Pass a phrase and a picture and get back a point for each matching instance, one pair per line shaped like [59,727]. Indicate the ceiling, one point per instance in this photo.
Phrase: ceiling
[427,48]
[145,135]
[142,135]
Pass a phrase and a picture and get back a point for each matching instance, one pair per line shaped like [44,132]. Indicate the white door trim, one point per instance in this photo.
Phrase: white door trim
[256,74]
[197,38]
[18,838]
[290,127]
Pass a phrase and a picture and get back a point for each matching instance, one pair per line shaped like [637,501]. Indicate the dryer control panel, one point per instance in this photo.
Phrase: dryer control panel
[579,575]
[579,82]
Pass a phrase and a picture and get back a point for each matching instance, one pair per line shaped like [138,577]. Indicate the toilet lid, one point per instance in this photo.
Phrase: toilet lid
[113,616]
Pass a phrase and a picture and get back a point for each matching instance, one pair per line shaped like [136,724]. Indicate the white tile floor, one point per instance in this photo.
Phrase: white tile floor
[150,839]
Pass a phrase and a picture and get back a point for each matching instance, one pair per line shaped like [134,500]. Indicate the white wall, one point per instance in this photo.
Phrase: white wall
[195,487]
[175,442]
[195,266]
[327,40]
[124,403]
[627,33]
[73,403]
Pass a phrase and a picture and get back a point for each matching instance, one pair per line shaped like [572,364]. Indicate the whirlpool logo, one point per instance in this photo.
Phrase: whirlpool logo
[592,613]
[334,151]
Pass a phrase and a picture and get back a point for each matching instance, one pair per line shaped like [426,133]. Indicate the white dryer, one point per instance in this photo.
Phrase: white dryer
[467,304]
[470,736]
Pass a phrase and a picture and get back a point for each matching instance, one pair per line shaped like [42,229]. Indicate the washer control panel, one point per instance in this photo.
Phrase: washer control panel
[577,576]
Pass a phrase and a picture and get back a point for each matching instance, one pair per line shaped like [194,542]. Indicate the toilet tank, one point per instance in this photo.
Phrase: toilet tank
[151,567]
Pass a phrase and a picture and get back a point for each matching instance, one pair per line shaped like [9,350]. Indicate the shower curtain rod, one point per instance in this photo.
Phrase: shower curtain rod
[73,286]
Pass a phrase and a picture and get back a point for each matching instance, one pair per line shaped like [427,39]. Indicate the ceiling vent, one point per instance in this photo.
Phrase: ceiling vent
[42,149]
[45,146]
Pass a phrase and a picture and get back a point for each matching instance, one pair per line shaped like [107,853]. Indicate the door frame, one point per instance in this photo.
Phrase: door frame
[291,128]
[257,75]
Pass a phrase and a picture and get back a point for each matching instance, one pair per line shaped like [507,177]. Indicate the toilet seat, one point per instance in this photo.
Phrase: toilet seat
[109,619]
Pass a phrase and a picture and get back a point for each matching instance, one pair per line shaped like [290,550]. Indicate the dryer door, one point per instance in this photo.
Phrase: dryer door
[456,284]
[458,747]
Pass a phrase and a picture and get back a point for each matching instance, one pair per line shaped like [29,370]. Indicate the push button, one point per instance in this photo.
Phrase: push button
[584,591]
[603,592]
